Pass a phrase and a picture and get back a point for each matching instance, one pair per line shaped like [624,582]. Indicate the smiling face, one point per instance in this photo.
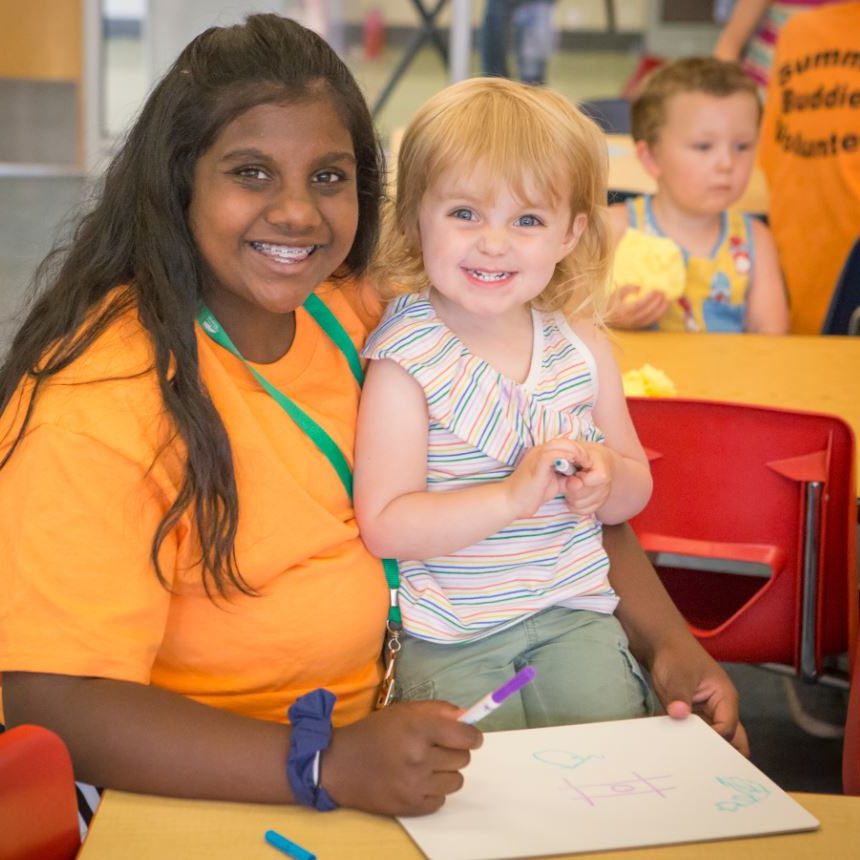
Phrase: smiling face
[705,150]
[488,251]
[274,210]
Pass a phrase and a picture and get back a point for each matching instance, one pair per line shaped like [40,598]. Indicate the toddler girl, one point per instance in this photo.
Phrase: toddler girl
[488,368]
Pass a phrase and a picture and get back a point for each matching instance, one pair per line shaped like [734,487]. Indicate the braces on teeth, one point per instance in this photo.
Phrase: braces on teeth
[282,252]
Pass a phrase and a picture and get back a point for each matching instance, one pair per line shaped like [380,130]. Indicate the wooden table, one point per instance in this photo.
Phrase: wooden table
[626,173]
[137,827]
[811,373]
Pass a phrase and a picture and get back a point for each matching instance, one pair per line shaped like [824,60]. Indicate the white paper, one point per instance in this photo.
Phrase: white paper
[604,786]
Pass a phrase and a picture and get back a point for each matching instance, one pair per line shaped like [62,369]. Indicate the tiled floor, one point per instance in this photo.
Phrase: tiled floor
[33,212]
[795,760]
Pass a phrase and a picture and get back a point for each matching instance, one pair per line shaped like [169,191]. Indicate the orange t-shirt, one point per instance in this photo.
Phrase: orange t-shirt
[810,153]
[81,497]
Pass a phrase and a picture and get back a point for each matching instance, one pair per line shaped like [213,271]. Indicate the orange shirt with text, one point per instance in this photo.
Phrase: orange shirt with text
[810,153]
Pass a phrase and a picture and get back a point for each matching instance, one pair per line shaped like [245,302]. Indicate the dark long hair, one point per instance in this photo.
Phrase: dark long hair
[137,234]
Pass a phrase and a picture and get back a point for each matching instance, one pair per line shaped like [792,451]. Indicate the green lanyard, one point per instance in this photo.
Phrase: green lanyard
[329,323]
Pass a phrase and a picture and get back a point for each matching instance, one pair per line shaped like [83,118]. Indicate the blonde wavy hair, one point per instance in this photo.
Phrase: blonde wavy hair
[525,136]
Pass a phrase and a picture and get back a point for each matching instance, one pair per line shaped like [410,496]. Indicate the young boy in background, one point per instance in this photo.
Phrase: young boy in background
[695,124]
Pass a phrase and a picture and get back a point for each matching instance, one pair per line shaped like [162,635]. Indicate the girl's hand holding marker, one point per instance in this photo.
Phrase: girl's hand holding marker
[566,467]
[588,477]
[535,480]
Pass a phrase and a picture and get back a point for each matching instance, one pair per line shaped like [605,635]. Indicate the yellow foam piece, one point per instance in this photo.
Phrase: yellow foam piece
[647,381]
[649,262]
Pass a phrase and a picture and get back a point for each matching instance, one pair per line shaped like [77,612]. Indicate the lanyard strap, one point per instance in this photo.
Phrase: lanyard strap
[330,324]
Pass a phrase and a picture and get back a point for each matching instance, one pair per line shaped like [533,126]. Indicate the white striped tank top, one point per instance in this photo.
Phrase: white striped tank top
[481,424]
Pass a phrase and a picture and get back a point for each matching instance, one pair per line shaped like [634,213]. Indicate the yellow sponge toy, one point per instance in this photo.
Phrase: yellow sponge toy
[649,262]
[647,381]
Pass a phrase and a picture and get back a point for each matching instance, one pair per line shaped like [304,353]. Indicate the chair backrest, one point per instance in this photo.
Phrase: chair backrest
[612,115]
[38,805]
[843,315]
[647,63]
[746,501]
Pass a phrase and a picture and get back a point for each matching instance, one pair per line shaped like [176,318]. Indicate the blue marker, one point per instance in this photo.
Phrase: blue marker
[289,848]
[566,467]
[492,700]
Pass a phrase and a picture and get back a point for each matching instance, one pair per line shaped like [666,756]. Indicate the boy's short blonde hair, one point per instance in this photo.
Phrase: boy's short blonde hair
[689,75]
[524,135]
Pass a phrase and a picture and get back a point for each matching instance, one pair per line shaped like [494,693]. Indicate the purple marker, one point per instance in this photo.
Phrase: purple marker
[492,700]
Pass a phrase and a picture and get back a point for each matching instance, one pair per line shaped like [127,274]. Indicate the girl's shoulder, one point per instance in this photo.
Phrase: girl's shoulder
[112,381]
[119,345]
[409,325]
[588,333]
[583,326]
[109,394]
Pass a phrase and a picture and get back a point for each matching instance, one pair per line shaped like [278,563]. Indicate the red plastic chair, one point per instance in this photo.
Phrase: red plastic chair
[647,63]
[38,806]
[752,527]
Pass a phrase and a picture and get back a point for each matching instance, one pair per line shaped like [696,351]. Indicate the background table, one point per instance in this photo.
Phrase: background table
[626,173]
[812,373]
[136,827]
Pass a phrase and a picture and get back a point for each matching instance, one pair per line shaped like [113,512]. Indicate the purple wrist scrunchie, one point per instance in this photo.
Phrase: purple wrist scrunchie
[310,718]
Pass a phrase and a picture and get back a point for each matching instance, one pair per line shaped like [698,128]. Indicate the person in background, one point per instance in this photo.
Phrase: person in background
[752,30]
[695,123]
[810,154]
[534,38]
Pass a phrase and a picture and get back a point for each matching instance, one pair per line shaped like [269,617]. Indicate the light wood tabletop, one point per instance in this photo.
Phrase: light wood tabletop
[809,373]
[137,827]
[626,173]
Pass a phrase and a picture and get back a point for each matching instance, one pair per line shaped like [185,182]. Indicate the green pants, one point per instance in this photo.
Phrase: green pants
[585,671]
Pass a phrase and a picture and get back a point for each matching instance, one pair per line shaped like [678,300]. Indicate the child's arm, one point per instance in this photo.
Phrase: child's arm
[767,307]
[739,28]
[616,481]
[397,516]
[635,314]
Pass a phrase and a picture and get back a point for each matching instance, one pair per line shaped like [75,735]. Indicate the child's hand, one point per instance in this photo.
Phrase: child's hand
[635,313]
[534,481]
[589,488]
[402,760]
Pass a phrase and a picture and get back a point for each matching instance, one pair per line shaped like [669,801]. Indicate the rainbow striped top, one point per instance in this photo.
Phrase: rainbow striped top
[481,424]
[758,55]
